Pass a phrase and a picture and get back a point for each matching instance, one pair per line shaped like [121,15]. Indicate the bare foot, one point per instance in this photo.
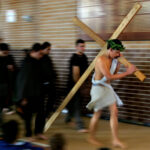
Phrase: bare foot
[83,131]
[118,143]
[41,137]
[94,141]
[71,124]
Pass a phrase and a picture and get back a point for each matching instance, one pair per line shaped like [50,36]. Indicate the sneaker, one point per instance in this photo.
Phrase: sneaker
[4,110]
[83,130]
[8,111]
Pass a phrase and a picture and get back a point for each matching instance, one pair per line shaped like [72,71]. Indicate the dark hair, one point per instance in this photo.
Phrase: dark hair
[10,131]
[45,45]
[104,148]
[36,47]
[57,142]
[115,43]
[26,51]
[4,47]
[79,41]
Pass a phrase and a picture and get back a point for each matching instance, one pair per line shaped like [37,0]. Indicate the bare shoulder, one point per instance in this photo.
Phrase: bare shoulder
[101,59]
[100,64]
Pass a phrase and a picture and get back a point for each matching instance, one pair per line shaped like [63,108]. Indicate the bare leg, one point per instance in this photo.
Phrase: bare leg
[93,128]
[114,126]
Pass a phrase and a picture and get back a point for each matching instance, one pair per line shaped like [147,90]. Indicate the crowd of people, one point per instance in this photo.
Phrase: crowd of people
[31,88]
[27,86]
[34,82]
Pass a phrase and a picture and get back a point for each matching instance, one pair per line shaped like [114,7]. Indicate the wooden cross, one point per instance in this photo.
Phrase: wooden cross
[119,30]
[102,43]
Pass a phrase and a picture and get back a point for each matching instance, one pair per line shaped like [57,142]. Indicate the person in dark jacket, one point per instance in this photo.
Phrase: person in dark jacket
[29,92]
[7,76]
[10,136]
[49,77]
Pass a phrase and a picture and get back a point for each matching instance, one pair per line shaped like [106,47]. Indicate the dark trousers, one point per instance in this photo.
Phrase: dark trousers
[49,94]
[34,106]
[1,119]
[74,110]
[2,104]
[6,95]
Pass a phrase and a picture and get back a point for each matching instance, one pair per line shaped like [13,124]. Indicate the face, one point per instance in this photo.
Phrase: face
[4,53]
[46,50]
[114,53]
[81,47]
[39,54]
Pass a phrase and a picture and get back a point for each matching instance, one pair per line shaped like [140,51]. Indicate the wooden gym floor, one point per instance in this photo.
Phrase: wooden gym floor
[135,136]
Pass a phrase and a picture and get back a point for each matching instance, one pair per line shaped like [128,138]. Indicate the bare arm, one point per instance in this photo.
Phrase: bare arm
[106,72]
[75,73]
[118,67]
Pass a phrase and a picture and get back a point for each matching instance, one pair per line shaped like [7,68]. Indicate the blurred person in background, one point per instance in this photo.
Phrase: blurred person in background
[10,135]
[29,96]
[77,66]
[7,78]
[49,77]
[57,142]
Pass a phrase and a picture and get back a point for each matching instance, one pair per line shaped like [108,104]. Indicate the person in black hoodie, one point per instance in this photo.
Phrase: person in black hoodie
[29,92]
[49,77]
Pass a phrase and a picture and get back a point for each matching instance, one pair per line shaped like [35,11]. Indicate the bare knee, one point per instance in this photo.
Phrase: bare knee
[114,112]
[97,114]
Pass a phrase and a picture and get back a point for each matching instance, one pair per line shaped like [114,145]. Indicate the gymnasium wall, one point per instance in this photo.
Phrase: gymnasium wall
[52,21]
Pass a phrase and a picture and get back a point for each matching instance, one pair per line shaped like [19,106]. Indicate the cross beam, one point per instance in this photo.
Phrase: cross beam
[119,30]
[102,43]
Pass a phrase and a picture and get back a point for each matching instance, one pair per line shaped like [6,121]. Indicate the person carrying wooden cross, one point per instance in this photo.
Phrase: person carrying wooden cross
[102,94]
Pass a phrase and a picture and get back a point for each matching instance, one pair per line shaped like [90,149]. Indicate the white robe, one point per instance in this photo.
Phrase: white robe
[102,93]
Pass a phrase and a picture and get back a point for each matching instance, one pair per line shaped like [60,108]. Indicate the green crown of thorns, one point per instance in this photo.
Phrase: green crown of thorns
[115,46]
